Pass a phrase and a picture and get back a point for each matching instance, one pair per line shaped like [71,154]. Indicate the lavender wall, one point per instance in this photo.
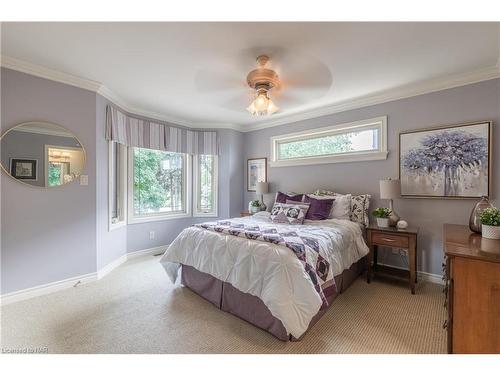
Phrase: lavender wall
[47,234]
[110,245]
[475,102]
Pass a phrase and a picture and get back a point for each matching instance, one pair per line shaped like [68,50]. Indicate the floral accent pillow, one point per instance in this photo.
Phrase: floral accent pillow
[360,205]
[283,213]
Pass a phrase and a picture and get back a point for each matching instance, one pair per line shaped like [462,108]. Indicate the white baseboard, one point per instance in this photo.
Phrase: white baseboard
[43,289]
[424,276]
[55,286]
[152,250]
[111,266]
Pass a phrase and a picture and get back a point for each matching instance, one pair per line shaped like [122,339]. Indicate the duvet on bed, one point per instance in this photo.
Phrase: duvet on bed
[266,265]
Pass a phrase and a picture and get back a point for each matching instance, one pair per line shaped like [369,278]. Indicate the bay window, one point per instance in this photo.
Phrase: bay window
[205,185]
[159,185]
[117,184]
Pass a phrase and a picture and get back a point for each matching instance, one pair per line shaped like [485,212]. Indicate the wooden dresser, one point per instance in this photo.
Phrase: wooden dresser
[472,275]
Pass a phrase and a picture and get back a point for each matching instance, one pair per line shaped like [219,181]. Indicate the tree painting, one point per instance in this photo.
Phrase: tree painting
[448,162]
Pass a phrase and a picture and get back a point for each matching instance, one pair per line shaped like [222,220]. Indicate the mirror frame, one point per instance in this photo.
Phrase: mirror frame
[45,123]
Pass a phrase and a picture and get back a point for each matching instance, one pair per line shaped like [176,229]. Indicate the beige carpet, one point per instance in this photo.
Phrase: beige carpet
[136,309]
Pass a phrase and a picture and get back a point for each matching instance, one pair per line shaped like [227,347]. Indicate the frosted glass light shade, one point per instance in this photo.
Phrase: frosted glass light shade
[262,188]
[390,189]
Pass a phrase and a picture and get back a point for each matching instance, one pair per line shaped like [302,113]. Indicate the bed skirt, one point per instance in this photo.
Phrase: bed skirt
[250,308]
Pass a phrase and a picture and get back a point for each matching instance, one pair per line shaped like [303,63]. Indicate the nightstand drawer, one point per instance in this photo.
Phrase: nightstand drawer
[388,239]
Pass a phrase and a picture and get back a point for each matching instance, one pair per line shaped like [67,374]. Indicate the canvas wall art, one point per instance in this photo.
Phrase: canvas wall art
[256,172]
[446,162]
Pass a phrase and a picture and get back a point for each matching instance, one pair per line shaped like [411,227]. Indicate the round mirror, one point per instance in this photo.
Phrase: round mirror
[42,154]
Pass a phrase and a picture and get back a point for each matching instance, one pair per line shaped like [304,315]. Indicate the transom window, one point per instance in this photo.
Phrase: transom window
[361,140]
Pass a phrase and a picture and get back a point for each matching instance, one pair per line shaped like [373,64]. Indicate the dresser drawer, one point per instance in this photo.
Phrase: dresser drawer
[389,239]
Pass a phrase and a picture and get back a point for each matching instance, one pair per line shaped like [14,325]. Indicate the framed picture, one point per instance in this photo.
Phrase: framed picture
[24,169]
[256,172]
[446,162]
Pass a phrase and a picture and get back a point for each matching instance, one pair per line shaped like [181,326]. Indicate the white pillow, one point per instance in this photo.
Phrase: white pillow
[341,208]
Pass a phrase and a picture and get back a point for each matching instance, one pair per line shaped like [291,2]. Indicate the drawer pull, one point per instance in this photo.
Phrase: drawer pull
[388,239]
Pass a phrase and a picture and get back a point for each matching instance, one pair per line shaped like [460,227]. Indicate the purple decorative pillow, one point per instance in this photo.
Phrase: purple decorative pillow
[282,197]
[319,209]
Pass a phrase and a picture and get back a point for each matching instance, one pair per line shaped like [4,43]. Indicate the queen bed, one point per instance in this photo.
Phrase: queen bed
[280,277]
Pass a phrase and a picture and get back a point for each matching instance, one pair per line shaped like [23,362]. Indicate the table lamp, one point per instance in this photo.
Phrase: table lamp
[262,188]
[390,189]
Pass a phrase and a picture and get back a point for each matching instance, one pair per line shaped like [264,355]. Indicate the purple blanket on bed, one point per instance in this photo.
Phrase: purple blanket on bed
[306,243]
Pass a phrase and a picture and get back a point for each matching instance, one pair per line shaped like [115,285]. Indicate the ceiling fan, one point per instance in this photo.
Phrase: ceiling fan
[285,79]
[262,80]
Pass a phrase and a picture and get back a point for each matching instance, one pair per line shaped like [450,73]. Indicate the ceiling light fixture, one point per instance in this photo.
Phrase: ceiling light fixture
[262,80]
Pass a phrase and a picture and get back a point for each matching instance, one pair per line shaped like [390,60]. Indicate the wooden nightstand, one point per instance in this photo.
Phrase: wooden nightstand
[245,213]
[397,239]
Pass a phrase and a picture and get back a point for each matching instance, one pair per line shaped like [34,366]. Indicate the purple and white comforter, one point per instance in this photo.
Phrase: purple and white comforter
[309,244]
[271,271]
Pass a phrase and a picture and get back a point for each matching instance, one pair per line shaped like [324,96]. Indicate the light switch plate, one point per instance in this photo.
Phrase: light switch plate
[84,180]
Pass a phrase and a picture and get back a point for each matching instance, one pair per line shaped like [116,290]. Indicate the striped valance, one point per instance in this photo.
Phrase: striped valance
[135,132]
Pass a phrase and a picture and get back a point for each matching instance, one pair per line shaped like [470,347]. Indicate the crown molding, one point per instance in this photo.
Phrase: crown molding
[407,91]
[36,130]
[97,87]
[403,92]
[51,74]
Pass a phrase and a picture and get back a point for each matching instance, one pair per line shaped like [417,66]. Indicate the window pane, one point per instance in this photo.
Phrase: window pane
[158,182]
[114,175]
[363,140]
[206,183]
[55,174]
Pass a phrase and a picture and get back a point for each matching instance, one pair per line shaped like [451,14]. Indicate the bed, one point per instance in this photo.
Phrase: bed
[263,281]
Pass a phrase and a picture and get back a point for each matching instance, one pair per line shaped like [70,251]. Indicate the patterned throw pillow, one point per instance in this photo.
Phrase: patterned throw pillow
[360,205]
[293,214]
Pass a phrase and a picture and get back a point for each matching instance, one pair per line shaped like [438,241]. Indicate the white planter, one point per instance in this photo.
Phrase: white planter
[490,231]
[383,222]
[254,210]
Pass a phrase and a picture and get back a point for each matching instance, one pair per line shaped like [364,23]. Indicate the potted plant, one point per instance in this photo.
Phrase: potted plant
[254,206]
[382,214]
[490,223]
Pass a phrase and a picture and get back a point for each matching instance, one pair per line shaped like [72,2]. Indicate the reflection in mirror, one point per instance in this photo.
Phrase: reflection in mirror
[42,154]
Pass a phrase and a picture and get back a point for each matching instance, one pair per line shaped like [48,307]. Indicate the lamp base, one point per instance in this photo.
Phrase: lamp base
[393,217]
[263,206]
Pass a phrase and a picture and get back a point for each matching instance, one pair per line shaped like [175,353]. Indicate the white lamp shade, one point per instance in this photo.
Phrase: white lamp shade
[390,189]
[262,187]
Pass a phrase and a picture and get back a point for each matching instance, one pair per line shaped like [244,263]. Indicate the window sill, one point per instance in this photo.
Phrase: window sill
[205,214]
[147,219]
[376,155]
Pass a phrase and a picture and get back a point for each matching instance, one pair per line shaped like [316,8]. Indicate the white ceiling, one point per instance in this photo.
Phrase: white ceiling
[195,72]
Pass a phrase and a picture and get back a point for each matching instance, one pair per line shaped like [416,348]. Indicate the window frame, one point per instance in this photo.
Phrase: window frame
[196,191]
[379,123]
[136,219]
[121,188]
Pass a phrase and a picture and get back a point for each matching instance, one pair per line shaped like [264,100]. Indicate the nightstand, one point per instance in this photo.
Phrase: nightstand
[394,238]
[245,213]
